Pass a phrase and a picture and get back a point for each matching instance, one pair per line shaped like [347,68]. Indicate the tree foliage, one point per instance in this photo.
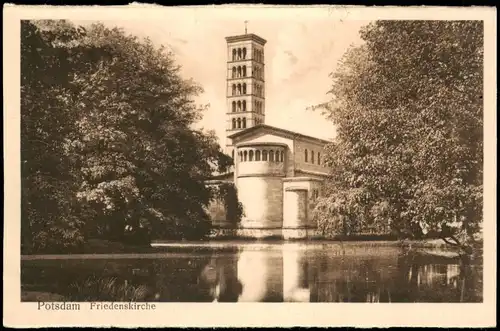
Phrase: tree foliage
[107,139]
[408,108]
[227,193]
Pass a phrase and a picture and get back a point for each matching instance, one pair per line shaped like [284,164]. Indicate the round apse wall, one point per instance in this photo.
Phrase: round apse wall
[262,200]
[261,159]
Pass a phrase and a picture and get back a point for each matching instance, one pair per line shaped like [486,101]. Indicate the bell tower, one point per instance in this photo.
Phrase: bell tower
[245,92]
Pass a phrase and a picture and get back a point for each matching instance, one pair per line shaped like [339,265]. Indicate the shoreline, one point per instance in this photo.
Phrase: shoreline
[166,247]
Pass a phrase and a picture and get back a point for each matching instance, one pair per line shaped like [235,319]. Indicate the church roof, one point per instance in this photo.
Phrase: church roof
[244,37]
[278,131]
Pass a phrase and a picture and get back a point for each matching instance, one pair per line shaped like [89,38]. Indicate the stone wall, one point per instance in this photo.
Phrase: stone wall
[312,187]
[295,208]
[312,148]
[262,199]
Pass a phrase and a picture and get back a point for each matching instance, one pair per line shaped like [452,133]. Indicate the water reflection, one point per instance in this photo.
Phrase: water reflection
[263,273]
[218,279]
[296,273]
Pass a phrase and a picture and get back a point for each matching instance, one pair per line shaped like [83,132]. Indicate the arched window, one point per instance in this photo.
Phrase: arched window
[234,54]
[244,53]
[244,122]
[271,156]
[257,155]
[305,155]
[312,157]
[234,106]
[239,123]
[244,71]
[245,156]
[241,156]
[239,53]
[282,156]
[244,105]
[233,72]
[232,154]
[239,88]
[319,158]
[239,71]
[234,123]
[250,156]
[239,105]
[277,156]
[244,88]
[234,90]
[264,155]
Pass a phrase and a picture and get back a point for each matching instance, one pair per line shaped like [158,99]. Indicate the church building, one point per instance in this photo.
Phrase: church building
[277,172]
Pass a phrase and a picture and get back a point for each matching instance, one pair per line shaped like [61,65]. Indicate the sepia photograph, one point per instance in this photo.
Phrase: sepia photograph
[329,158]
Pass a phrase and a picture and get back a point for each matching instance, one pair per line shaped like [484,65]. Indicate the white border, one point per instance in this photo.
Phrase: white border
[243,314]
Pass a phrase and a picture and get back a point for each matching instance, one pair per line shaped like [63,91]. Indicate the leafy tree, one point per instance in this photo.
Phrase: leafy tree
[48,213]
[227,193]
[120,117]
[409,114]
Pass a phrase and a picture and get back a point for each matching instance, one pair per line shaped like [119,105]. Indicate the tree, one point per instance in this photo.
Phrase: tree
[135,167]
[48,219]
[408,155]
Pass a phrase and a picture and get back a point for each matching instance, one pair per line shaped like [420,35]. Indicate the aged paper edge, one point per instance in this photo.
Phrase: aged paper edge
[17,314]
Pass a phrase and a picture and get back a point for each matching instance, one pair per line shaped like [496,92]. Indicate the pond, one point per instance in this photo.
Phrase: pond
[257,272]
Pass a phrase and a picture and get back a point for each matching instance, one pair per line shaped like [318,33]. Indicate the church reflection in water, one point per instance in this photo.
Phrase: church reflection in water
[299,273]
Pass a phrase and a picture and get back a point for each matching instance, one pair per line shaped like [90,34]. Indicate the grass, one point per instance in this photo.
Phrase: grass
[96,288]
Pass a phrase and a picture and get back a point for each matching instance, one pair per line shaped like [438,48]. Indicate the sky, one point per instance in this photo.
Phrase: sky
[300,53]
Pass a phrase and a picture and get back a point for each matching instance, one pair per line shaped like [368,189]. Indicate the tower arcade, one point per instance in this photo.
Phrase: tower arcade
[245,85]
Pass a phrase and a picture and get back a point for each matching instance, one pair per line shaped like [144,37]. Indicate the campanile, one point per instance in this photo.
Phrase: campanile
[245,92]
